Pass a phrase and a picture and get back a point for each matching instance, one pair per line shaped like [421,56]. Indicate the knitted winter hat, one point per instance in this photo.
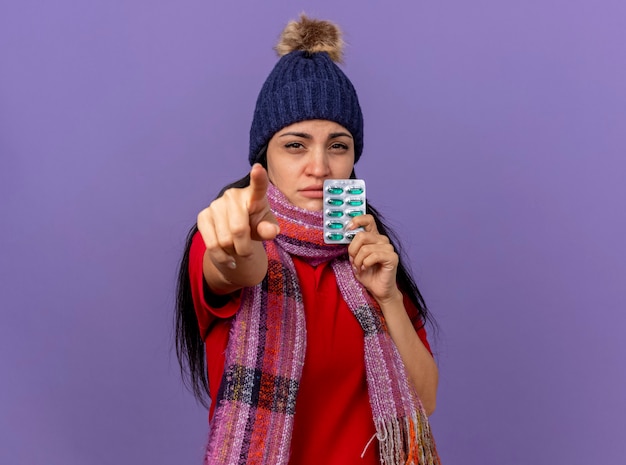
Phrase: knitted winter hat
[306,84]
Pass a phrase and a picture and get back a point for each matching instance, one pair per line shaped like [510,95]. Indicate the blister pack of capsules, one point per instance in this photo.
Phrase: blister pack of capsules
[343,200]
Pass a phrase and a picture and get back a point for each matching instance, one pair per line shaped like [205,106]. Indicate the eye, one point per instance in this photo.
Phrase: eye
[339,147]
[294,145]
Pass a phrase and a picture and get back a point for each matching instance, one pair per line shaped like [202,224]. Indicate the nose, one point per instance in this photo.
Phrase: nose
[318,165]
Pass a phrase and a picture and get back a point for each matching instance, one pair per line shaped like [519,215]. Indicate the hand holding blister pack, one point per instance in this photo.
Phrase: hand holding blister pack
[344,199]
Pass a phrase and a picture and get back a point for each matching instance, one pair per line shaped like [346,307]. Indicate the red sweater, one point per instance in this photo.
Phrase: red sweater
[333,421]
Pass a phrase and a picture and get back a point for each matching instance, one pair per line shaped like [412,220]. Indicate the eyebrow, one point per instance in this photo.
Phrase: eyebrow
[304,135]
[339,134]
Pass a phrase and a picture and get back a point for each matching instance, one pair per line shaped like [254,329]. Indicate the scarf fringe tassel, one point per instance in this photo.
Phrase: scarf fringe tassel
[398,436]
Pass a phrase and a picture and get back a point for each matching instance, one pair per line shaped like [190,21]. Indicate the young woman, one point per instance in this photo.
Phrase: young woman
[316,353]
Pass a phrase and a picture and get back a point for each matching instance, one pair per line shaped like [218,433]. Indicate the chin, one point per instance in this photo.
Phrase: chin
[314,205]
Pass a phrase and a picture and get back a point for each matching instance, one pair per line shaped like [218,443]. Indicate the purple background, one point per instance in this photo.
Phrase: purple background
[495,143]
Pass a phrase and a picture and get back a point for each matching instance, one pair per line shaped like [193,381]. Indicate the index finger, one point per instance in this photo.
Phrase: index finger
[258,183]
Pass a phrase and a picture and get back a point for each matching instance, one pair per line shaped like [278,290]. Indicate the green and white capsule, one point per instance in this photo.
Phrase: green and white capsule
[355,202]
[335,202]
[334,213]
[354,190]
[334,190]
[334,236]
[353,213]
[334,225]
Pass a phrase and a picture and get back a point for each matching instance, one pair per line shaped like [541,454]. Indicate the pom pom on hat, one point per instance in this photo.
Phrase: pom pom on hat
[306,84]
[312,36]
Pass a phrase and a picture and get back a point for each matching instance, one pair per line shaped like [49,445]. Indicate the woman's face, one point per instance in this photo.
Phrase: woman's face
[301,156]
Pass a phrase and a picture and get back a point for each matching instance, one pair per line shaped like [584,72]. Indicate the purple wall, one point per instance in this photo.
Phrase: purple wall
[495,142]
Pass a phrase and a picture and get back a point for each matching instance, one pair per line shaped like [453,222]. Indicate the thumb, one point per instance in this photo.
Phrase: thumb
[267,229]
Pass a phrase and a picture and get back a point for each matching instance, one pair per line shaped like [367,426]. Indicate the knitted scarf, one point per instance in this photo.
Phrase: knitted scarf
[256,401]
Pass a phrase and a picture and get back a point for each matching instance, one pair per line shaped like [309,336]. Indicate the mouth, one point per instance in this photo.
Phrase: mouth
[312,192]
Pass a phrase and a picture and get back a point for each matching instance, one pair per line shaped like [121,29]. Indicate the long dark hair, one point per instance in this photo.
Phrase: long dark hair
[190,348]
